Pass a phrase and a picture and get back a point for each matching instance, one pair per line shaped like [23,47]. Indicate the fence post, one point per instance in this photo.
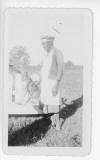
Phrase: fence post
[13,87]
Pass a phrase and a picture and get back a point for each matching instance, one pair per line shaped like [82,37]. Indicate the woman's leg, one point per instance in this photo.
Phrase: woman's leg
[45,109]
[56,121]
[55,118]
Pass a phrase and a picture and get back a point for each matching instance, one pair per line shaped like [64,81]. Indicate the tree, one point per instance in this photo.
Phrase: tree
[18,59]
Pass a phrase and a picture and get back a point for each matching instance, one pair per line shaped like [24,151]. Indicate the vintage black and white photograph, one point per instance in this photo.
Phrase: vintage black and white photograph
[47,53]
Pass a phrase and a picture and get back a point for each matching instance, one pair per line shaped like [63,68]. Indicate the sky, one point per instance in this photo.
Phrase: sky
[25,29]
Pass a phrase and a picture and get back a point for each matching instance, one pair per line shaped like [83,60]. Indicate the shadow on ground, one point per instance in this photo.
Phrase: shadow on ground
[69,110]
[37,130]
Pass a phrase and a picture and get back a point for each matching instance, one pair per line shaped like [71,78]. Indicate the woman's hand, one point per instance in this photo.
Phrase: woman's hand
[55,89]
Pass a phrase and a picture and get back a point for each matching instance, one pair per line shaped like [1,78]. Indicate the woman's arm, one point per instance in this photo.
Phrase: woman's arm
[59,73]
[60,63]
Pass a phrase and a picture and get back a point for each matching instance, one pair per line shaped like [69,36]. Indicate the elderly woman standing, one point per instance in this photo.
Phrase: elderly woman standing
[52,71]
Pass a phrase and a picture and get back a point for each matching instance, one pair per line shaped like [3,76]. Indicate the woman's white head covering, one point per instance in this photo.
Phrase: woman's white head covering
[47,37]
[52,32]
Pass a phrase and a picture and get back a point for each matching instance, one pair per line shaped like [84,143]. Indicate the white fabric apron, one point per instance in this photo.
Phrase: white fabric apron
[47,84]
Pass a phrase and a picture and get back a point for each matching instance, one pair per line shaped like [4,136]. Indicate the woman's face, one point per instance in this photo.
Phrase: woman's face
[47,45]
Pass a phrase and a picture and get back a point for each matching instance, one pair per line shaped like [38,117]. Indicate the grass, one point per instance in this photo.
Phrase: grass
[37,131]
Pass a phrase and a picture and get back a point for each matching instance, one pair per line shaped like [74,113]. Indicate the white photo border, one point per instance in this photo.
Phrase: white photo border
[87,94]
